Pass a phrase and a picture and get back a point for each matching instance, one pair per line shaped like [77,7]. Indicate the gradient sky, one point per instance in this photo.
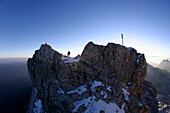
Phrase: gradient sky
[71,24]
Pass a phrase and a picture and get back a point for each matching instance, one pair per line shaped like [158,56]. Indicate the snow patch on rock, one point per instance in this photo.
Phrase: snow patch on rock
[138,58]
[108,88]
[96,107]
[38,106]
[85,101]
[70,59]
[129,83]
[78,90]
[126,94]
[130,48]
[95,84]
[140,104]
[103,94]
[60,91]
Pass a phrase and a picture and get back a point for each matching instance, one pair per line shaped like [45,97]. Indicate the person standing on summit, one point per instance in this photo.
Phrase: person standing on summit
[68,54]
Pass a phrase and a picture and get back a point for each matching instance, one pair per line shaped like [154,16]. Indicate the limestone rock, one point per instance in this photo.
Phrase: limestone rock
[103,79]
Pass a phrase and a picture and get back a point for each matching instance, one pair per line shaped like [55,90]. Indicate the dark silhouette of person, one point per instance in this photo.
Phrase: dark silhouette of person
[68,54]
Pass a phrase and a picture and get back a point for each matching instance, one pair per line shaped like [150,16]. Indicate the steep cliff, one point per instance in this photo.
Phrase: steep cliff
[104,79]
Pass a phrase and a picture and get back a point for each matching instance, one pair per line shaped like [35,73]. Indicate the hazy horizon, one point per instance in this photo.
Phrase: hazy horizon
[154,62]
[16,59]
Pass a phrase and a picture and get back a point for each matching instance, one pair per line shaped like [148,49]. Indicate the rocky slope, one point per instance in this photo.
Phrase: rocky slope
[104,79]
[160,80]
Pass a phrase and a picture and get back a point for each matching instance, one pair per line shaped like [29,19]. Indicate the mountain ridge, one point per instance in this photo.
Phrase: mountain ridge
[165,64]
[100,74]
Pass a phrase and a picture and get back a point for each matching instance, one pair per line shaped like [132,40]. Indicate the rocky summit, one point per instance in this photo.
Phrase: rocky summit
[104,79]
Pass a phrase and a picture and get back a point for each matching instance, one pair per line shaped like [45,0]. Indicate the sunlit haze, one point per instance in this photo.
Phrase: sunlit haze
[70,24]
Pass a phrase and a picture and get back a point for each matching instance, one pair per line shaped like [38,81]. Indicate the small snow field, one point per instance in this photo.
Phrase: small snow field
[93,106]
[70,59]
[82,88]
[96,107]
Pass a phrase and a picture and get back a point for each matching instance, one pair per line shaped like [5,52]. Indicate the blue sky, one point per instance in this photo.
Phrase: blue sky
[71,24]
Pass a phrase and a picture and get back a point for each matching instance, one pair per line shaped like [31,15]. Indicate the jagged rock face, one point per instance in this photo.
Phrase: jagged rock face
[104,79]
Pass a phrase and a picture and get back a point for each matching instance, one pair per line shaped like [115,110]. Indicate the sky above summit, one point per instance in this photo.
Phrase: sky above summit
[68,25]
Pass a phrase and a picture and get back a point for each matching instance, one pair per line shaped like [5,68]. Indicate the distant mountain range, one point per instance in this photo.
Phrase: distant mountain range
[165,64]
[160,78]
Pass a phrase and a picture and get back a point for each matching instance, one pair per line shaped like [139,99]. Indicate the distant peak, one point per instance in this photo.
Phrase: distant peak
[164,63]
[165,60]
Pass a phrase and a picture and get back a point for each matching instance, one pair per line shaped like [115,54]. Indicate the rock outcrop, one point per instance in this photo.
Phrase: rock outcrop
[103,79]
